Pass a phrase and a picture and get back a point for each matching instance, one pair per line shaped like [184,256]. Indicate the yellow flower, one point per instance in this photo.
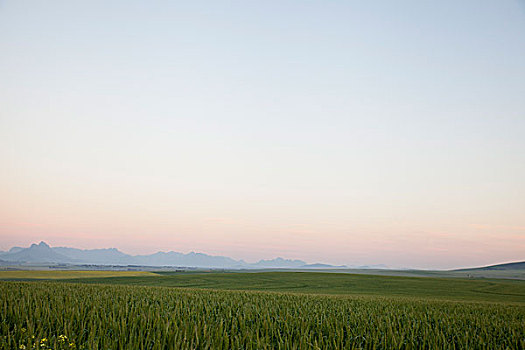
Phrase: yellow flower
[22,347]
[62,338]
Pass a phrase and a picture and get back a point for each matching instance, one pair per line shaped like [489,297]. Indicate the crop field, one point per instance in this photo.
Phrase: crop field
[52,275]
[334,283]
[60,315]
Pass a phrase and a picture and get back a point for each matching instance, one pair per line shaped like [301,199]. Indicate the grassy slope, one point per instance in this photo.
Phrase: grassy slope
[335,283]
[508,266]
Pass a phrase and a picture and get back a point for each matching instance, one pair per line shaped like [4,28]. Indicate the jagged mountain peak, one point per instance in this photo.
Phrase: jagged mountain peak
[41,245]
[41,253]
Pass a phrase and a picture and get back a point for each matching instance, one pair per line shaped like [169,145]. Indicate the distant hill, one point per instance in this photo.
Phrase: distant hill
[15,249]
[507,266]
[191,259]
[95,256]
[12,250]
[370,267]
[43,253]
[322,266]
[279,263]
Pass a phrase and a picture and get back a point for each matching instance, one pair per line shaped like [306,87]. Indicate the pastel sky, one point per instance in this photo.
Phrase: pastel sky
[344,132]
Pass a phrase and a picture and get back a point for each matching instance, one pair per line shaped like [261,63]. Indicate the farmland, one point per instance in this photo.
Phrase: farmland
[299,282]
[262,311]
[52,275]
[334,283]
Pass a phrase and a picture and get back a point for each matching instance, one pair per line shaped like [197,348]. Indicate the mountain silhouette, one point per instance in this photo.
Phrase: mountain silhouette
[43,253]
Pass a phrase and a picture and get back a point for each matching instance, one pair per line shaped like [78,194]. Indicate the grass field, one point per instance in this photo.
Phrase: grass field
[270,310]
[332,283]
[472,273]
[66,315]
[53,275]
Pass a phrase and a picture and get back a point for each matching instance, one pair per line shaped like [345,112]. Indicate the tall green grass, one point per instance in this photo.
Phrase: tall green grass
[135,317]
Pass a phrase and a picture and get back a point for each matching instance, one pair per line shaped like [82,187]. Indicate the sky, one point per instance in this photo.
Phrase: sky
[340,132]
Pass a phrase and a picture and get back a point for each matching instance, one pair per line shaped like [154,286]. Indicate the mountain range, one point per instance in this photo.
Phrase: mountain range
[43,253]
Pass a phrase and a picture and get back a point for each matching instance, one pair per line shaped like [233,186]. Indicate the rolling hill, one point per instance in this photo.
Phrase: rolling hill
[499,267]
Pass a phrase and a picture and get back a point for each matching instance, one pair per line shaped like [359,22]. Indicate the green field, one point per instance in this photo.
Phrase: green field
[300,282]
[53,275]
[335,283]
[270,310]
